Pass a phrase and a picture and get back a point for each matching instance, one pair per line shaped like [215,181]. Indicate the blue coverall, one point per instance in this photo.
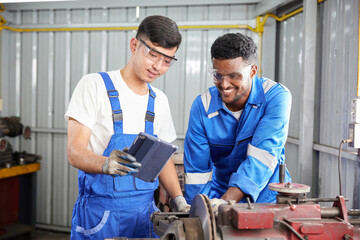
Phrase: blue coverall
[115,206]
[222,152]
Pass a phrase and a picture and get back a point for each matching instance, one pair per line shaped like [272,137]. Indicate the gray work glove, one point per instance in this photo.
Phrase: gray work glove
[179,204]
[120,163]
[215,203]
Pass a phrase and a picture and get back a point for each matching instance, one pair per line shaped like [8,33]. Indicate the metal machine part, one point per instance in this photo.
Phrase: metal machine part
[305,220]
[201,209]
[289,188]
[12,127]
[292,217]
[200,223]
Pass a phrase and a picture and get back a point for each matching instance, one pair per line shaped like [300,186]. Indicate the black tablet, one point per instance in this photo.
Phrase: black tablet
[152,153]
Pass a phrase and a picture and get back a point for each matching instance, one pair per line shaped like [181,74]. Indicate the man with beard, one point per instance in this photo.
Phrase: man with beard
[106,112]
[237,129]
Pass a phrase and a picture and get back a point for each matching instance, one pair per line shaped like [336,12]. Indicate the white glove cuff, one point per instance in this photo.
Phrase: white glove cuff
[105,167]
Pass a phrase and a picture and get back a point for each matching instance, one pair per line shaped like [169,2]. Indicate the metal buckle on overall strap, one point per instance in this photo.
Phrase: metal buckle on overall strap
[152,94]
[149,116]
[113,93]
[117,115]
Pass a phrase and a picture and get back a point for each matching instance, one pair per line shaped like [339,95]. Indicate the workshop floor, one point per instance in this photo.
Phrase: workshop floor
[49,235]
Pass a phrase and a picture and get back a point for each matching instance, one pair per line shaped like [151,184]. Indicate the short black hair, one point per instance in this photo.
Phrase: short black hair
[160,30]
[234,45]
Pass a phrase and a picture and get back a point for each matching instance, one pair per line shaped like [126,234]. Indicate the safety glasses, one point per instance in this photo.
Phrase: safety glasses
[234,76]
[156,56]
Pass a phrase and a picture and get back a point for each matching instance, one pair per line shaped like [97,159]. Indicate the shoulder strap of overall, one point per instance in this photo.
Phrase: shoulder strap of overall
[113,94]
[150,113]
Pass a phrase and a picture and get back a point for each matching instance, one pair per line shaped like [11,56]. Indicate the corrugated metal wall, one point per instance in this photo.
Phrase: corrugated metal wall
[338,87]
[336,82]
[41,70]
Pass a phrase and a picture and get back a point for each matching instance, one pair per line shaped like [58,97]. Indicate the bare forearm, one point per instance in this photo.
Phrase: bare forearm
[78,154]
[85,160]
[233,193]
[169,179]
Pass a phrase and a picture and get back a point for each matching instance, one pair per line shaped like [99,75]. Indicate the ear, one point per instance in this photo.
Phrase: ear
[133,44]
[253,71]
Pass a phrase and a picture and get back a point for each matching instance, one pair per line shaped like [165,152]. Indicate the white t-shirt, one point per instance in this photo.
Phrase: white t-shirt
[236,114]
[90,105]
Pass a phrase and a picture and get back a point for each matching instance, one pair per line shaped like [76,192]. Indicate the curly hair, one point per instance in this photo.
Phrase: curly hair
[160,30]
[234,45]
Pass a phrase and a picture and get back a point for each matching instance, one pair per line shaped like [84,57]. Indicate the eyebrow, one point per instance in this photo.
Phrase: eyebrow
[143,42]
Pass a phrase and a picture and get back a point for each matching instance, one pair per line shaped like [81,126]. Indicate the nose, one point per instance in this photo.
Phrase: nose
[157,64]
[225,83]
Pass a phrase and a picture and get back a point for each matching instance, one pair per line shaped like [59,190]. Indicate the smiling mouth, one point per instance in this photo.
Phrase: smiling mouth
[152,74]
[227,92]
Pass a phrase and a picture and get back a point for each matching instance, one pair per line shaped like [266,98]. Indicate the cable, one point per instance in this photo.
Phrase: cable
[291,229]
[342,142]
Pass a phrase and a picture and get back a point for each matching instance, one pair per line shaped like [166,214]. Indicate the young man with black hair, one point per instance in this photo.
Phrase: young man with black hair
[106,112]
[237,129]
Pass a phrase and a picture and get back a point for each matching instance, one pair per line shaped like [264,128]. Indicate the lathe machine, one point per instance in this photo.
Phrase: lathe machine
[293,217]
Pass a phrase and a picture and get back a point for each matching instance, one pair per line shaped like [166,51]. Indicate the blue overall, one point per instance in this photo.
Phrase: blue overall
[119,206]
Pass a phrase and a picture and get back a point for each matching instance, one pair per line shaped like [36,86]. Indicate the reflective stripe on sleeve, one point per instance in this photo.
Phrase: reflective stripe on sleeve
[263,156]
[268,84]
[198,178]
[206,99]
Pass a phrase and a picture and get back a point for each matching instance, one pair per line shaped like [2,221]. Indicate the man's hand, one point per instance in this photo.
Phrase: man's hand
[120,163]
[180,204]
[215,203]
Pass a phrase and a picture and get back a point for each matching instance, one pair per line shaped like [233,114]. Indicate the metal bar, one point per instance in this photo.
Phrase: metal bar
[330,212]
[324,199]
[307,92]
[328,149]
[355,221]
[335,151]
[354,212]
[49,130]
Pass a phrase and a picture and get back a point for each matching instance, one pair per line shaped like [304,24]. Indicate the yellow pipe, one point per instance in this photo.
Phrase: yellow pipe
[2,21]
[67,29]
[260,23]
[218,26]
[260,55]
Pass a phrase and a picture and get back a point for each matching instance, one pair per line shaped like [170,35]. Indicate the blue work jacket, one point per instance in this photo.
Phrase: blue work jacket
[222,152]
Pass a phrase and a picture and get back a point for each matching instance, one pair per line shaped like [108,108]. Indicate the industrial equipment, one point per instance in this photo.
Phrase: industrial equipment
[12,127]
[292,217]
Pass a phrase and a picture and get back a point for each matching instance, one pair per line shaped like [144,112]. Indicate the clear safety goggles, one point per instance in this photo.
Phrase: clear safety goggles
[233,76]
[156,56]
